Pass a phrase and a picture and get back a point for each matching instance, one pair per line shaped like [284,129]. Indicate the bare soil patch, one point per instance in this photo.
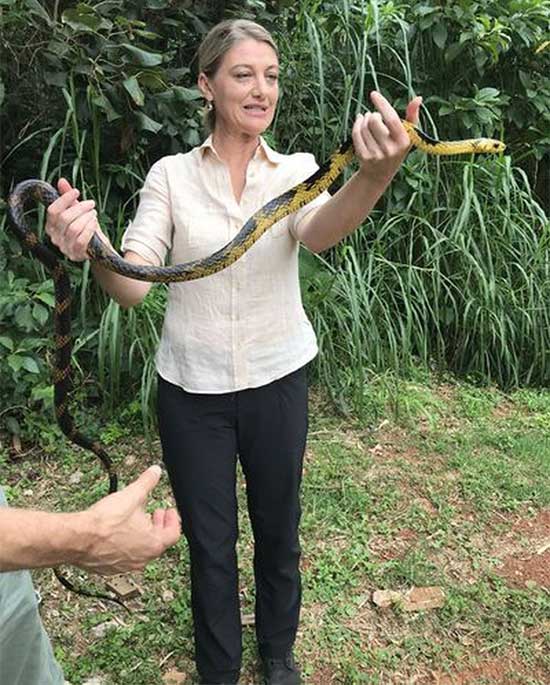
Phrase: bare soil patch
[529,560]
[490,672]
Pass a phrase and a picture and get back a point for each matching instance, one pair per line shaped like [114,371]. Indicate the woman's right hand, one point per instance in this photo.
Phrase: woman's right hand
[71,223]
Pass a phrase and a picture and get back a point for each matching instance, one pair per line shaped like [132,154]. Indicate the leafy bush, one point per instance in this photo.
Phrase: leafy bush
[98,91]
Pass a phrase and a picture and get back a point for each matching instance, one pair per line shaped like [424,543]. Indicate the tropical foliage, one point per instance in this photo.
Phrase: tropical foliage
[451,270]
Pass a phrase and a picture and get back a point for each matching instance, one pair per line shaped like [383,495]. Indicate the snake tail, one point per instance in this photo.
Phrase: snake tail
[45,193]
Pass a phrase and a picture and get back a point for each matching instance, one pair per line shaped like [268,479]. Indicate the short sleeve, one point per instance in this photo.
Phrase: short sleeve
[150,233]
[307,166]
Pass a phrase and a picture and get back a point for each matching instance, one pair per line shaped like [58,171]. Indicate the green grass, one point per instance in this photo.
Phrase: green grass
[428,498]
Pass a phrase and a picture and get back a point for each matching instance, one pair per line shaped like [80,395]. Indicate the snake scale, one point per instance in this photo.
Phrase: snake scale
[275,210]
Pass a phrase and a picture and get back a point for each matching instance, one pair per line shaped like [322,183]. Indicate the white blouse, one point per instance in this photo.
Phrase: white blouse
[245,326]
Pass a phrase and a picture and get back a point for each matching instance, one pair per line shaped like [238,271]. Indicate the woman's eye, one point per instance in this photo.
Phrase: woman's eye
[242,75]
[272,77]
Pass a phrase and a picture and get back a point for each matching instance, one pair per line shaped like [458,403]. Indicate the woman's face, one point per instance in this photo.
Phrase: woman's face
[245,88]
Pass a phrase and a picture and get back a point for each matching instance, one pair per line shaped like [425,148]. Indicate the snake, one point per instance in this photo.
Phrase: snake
[34,190]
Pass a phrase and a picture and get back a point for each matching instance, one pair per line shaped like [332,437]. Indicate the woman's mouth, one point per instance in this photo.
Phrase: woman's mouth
[256,110]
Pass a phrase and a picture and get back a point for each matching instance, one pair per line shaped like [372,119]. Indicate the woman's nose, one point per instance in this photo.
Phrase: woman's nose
[260,87]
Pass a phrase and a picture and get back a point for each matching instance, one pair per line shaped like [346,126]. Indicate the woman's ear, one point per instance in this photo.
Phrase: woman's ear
[204,87]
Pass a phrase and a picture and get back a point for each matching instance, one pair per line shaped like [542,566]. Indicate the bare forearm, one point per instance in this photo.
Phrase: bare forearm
[36,539]
[126,291]
[343,213]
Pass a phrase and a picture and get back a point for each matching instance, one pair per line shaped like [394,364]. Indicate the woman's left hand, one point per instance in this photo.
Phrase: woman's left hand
[380,140]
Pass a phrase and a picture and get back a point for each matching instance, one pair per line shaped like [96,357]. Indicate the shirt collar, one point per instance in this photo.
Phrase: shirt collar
[263,149]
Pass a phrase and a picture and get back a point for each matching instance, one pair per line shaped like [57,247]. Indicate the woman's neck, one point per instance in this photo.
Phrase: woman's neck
[234,149]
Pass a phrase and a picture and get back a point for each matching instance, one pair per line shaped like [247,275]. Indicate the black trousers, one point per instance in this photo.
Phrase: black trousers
[202,436]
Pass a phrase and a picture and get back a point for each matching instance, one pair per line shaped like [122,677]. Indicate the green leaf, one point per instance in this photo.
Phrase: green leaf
[83,18]
[105,104]
[40,313]
[23,317]
[15,362]
[30,365]
[36,8]
[148,35]
[487,94]
[43,392]
[439,34]
[185,94]
[146,123]
[142,57]
[6,342]
[47,298]
[132,86]
[484,115]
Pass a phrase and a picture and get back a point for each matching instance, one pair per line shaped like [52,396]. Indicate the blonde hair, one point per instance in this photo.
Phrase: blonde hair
[218,41]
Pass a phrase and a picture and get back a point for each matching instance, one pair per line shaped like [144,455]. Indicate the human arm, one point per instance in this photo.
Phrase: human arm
[71,224]
[112,536]
[381,144]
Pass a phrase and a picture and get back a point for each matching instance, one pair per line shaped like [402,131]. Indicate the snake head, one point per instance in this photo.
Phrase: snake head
[492,146]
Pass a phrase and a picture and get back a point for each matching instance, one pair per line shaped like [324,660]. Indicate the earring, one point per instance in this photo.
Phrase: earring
[209,106]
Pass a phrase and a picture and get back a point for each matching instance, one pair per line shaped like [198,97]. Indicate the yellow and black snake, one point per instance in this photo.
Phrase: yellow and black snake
[253,229]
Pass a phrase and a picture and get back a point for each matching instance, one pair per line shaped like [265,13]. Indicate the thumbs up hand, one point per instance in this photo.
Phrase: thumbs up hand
[119,535]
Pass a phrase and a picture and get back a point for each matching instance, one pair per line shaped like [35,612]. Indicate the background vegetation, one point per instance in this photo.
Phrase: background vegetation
[450,272]
[429,319]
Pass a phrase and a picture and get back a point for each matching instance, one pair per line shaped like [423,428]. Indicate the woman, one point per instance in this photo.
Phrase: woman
[234,346]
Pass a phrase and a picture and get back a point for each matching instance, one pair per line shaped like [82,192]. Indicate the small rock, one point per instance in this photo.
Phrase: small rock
[100,630]
[124,587]
[247,619]
[75,478]
[130,460]
[416,599]
[173,678]
[423,598]
[385,598]
[167,596]
[27,493]
[96,680]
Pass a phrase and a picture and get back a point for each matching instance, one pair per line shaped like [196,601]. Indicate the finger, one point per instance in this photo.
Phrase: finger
[379,130]
[373,150]
[63,186]
[172,528]
[62,203]
[76,211]
[358,142]
[389,115]
[83,234]
[143,485]
[158,518]
[413,110]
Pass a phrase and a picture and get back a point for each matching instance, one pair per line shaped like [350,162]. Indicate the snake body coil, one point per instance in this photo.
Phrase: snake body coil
[253,229]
